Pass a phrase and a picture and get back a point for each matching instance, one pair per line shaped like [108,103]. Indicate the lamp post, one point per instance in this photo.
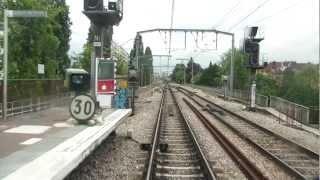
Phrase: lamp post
[6,15]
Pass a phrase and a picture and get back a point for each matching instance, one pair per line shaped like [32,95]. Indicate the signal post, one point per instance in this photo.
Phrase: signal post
[252,49]
[103,16]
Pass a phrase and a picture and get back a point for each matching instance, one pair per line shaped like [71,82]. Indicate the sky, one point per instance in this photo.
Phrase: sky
[290,27]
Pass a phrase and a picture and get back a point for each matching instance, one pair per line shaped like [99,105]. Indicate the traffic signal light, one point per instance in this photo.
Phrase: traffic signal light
[93,5]
[252,48]
[112,6]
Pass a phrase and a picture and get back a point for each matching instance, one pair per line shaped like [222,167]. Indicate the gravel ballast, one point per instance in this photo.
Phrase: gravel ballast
[299,136]
[220,162]
[269,167]
[119,156]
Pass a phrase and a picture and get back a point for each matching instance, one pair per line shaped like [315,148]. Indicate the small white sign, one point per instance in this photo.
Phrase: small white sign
[40,68]
[97,44]
[19,13]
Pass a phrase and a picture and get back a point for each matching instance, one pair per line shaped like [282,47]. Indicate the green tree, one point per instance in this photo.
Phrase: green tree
[147,63]
[266,85]
[301,86]
[85,57]
[178,73]
[192,67]
[211,76]
[38,40]
[241,72]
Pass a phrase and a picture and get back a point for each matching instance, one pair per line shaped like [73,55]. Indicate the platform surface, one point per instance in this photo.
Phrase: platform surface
[50,149]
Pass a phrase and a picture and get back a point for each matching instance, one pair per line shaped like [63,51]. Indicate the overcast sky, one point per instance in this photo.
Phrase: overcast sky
[290,27]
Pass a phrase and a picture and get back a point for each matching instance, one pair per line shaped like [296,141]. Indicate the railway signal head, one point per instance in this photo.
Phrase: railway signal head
[93,5]
[104,12]
[251,47]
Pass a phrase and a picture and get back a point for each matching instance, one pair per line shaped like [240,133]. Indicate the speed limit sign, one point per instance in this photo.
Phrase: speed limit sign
[82,108]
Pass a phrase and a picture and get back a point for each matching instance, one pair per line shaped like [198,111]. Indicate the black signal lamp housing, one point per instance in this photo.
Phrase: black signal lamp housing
[112,6]
[104,12]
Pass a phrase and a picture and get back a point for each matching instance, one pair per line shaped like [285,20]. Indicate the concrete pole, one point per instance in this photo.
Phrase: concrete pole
[5,67]
[232,67]
[137,62]
[253,90]
[192,72]
[184,75]
[142,75]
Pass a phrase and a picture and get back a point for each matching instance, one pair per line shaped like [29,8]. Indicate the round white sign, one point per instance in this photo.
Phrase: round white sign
[82,108]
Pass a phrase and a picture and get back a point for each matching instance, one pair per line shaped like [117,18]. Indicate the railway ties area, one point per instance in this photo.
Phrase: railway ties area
[298,161]
[176,153]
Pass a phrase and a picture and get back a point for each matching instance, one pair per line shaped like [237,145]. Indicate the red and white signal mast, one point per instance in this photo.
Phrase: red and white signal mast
[106,82]
[103,14]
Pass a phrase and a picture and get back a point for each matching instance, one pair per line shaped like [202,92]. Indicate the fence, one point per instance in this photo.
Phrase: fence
[295,111]
[15,108]
[23,89]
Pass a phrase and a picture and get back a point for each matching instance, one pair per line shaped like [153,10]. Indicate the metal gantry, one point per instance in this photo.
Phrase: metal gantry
[170,30]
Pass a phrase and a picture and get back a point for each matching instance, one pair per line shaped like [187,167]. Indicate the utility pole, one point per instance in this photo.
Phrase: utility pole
[192,62]
[232,67]
[170,38]
[5,67]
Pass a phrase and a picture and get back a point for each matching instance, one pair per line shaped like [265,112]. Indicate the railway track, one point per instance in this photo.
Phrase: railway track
[176,154]
[297,160]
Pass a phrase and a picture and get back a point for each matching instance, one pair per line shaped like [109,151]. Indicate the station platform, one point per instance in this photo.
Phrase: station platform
[45,145]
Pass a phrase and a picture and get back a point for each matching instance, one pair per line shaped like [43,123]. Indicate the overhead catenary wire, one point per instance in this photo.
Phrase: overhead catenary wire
[278,12]
[251,13]
[219,23]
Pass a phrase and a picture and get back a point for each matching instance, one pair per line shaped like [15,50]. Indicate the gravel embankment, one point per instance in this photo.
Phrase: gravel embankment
[304,138]
[270,168]
[120,156]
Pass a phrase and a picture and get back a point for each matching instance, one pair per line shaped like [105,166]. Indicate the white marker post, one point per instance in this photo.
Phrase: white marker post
[13,14]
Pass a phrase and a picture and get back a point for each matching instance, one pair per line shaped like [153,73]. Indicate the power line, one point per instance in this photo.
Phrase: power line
[279,12]
[252,12]
[218,24]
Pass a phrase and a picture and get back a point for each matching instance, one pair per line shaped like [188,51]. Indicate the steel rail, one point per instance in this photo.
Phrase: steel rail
[206,167]
[204,163]
[250,170]
[292,171]
[151,164]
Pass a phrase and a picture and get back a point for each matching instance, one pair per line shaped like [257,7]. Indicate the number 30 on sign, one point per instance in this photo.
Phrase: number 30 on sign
[82,108]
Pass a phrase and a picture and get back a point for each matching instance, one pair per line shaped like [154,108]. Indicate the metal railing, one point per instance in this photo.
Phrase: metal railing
[295,111]
[36,104]
[292,110]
